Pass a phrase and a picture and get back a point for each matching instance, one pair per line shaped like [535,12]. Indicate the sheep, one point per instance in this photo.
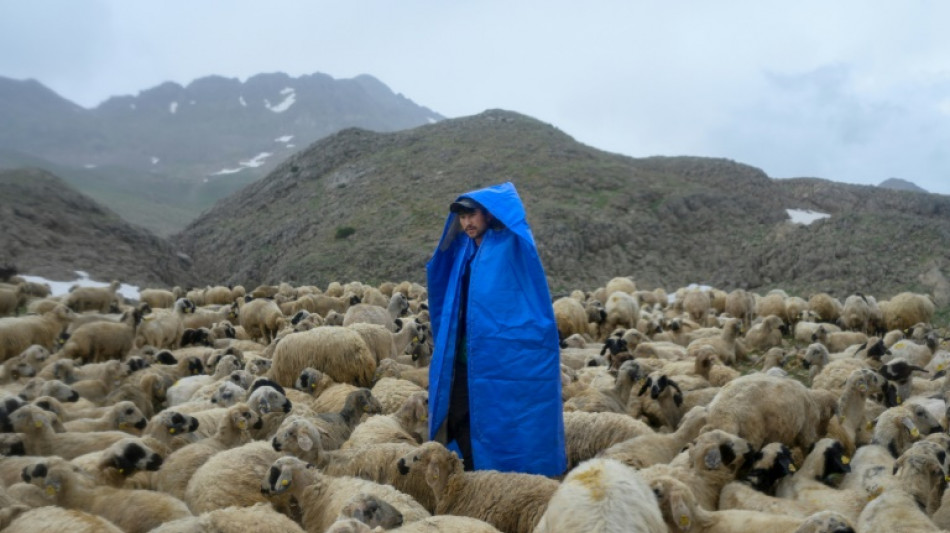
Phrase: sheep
[913,353]
[897,427]
[852,405]
[613,399]
[52,518]
[19,333]
[373,314]
[230,477]
[900,506]
[763,409]
[622,311]
[587,434]
[756,489]
[337,351]
[772,303]
[570,317]
[696,303]
[765,334]
[805,331]
[40,438]
[101,341]
[741,304]
[260,318]
[455,524]
[163,329]
[122,416]
[408,424]
[183,462]
[262,517]
[656,448]
[392,393]
[11,300]
[512,502]
[840,340]
[114,465]
[810,484]
[827,307]
[906,309]
[131,510]
[337,427]
[322,497]
[602,496]
[724,344]
[186,387]
[682,512]
[102,299]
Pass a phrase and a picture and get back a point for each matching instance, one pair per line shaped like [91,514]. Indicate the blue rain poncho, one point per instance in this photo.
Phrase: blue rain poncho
[516,414]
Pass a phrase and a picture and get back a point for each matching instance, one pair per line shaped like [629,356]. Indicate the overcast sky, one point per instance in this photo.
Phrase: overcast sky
[852,91]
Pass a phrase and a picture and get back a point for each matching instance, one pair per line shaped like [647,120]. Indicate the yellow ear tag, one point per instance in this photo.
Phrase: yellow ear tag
[284,482]
[38,424]
[425,418]
[171,430]
[176,382]
[313,385]
[914,433]
[900,400]
[946,478]
[684,521]
[791,468]
[415,339]
[842,419]
[50,490]
[121,470]
[940,367]
[845,459]
[242,424]
[149,317]
[870,425]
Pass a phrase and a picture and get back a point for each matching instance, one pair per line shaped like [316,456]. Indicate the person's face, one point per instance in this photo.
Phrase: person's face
[474,224]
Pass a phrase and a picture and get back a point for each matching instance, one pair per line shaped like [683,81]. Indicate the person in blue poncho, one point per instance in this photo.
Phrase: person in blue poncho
[494,379]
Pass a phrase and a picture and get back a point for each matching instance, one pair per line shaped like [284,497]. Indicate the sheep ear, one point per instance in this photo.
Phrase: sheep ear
[681,512]
[646,385]
[713,459]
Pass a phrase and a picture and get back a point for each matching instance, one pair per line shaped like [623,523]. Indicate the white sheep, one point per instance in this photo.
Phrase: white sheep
[260,319]
[512,502]
[337,351]
[588,433]
[162,328]
[132,510]
[763,409]
[656,448]
[19,333]
[409,424]
[322,497]
[52,518]
[102,299]
[100,341]
[906,309]
[602,496]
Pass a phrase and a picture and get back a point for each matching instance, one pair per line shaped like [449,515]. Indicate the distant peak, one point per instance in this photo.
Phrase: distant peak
[900,185]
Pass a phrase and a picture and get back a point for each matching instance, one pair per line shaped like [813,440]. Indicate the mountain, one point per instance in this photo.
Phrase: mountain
[368,206]
[52,230]
[184,147]
[900,185]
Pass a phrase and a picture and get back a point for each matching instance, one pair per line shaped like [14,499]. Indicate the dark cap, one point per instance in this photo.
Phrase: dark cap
[464,205]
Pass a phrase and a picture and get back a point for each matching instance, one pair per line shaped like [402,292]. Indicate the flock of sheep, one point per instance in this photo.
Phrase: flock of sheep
[305,409]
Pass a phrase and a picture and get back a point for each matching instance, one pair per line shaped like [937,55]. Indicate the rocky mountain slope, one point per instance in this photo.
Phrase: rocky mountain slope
[176,149]
[51,230]
[371,206]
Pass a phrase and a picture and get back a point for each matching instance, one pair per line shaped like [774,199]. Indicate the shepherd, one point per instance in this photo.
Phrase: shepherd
[494,378]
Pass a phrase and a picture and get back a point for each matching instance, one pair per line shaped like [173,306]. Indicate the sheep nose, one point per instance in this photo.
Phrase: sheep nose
[401,466]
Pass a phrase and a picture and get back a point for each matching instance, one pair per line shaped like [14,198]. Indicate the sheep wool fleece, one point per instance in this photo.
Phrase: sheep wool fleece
[517,422]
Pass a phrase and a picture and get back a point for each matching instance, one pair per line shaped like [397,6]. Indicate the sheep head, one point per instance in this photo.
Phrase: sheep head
[439,463]
[285,473]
